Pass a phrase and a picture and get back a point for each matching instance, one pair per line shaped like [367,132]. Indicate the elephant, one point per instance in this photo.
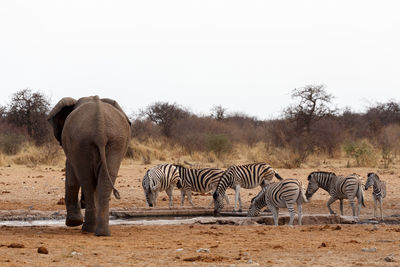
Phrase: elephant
[94,134]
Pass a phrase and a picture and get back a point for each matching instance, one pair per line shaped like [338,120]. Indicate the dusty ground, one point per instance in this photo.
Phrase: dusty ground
[41,187]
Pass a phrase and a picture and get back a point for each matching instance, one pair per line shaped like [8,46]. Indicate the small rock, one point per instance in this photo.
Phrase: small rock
[389,258]
[323,245]
[74,253]
[164,199]
[61,201]
[368,249]
[16,245]
[374,228]
[203,250]
[338,227]
[179,249]
[42,250]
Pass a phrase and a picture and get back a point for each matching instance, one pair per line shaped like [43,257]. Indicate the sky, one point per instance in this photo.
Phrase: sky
[246,56]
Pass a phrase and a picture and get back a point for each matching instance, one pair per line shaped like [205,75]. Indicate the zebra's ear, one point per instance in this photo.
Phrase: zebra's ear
[369,174]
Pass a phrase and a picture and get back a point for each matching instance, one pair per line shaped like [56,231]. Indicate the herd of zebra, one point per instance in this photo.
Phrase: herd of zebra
[282,194]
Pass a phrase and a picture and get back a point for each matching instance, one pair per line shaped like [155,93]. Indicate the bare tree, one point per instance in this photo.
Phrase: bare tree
[218,112]
[29,109]
[313,104]
[165,115]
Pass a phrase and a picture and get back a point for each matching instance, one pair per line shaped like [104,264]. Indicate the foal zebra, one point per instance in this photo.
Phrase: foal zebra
[246,176]
[338,187]
[282,194]
[379,192]
[198,180]
[159,178]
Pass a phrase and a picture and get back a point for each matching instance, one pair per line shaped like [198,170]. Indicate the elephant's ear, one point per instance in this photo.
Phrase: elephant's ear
[116,105]
[59,114]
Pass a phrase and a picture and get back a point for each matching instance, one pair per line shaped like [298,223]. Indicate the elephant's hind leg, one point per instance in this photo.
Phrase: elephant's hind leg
[74,215]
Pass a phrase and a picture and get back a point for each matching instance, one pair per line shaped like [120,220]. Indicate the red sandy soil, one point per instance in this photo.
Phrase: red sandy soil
[41,187]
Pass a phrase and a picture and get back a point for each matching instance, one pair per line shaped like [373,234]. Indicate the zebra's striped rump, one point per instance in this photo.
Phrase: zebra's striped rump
[282,194]
[246,176]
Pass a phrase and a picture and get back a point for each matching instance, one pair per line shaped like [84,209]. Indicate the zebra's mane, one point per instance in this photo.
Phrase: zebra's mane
[325,173]
[372,173]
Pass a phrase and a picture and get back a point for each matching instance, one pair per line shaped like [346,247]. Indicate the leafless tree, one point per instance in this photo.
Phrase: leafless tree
[313,104]
[29,109]
[218,112]
[165,115]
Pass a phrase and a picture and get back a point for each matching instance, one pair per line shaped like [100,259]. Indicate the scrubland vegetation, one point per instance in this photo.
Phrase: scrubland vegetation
[307,132]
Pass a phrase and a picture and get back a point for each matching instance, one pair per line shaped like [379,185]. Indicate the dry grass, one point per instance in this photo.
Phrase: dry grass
[151,152]
[31,155]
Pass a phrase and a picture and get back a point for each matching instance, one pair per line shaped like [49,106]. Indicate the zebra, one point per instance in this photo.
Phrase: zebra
[338,187]
[379,192]
[159,178]
[198,180]
[246,176]
[283,194]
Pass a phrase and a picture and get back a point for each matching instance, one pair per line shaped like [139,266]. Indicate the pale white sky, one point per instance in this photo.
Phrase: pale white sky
[244,55]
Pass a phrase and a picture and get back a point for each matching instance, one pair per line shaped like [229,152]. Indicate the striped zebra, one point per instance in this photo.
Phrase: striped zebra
[159,178]
[338,187]
[379,192]
[283,194]
[200,180]
[246,176]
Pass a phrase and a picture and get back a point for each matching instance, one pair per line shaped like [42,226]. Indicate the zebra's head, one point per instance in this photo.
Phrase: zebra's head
[370,180]
[257,203]
[312,185]
[218,203]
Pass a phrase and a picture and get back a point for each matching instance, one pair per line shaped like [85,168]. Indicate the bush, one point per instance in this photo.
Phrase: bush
[363,153]
[219,144]
[11,144]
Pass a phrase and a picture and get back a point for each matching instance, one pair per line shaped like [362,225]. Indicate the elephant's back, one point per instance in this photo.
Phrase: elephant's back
[93,119]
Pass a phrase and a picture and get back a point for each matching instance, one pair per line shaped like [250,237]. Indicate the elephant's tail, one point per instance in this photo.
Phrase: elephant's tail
[102,151]
[101,144]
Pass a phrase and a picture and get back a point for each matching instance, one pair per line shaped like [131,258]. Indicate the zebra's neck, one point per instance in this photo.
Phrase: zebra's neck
[325,182]
[225,182]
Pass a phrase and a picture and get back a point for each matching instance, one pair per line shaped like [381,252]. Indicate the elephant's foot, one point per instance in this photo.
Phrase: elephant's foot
[88,228]
[74,220]
[103,231]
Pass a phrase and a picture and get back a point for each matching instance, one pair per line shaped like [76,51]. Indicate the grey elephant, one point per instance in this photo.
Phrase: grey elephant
[94,134]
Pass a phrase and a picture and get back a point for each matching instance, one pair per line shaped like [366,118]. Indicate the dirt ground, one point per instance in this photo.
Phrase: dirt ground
[41,188]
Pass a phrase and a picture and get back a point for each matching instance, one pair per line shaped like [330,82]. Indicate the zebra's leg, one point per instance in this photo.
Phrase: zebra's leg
[375,206]
[330,201]
[226,199]
[237,196]
[341,206]
[240,203]
[381,207]
[353,208]
[290,208]
[169,193]
[275,213]
[182,197]
[155,196]
[299,213]
[189,194]
[359,201]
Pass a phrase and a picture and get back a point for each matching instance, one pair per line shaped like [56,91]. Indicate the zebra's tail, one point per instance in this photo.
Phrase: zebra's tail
[278,176]
[302,194]
[361,191]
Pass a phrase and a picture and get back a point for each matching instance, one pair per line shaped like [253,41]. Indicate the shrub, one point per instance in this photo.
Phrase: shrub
[363,153]
[11,144]
[219,144]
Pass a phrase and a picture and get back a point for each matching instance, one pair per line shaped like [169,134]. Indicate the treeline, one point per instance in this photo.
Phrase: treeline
[311,125]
